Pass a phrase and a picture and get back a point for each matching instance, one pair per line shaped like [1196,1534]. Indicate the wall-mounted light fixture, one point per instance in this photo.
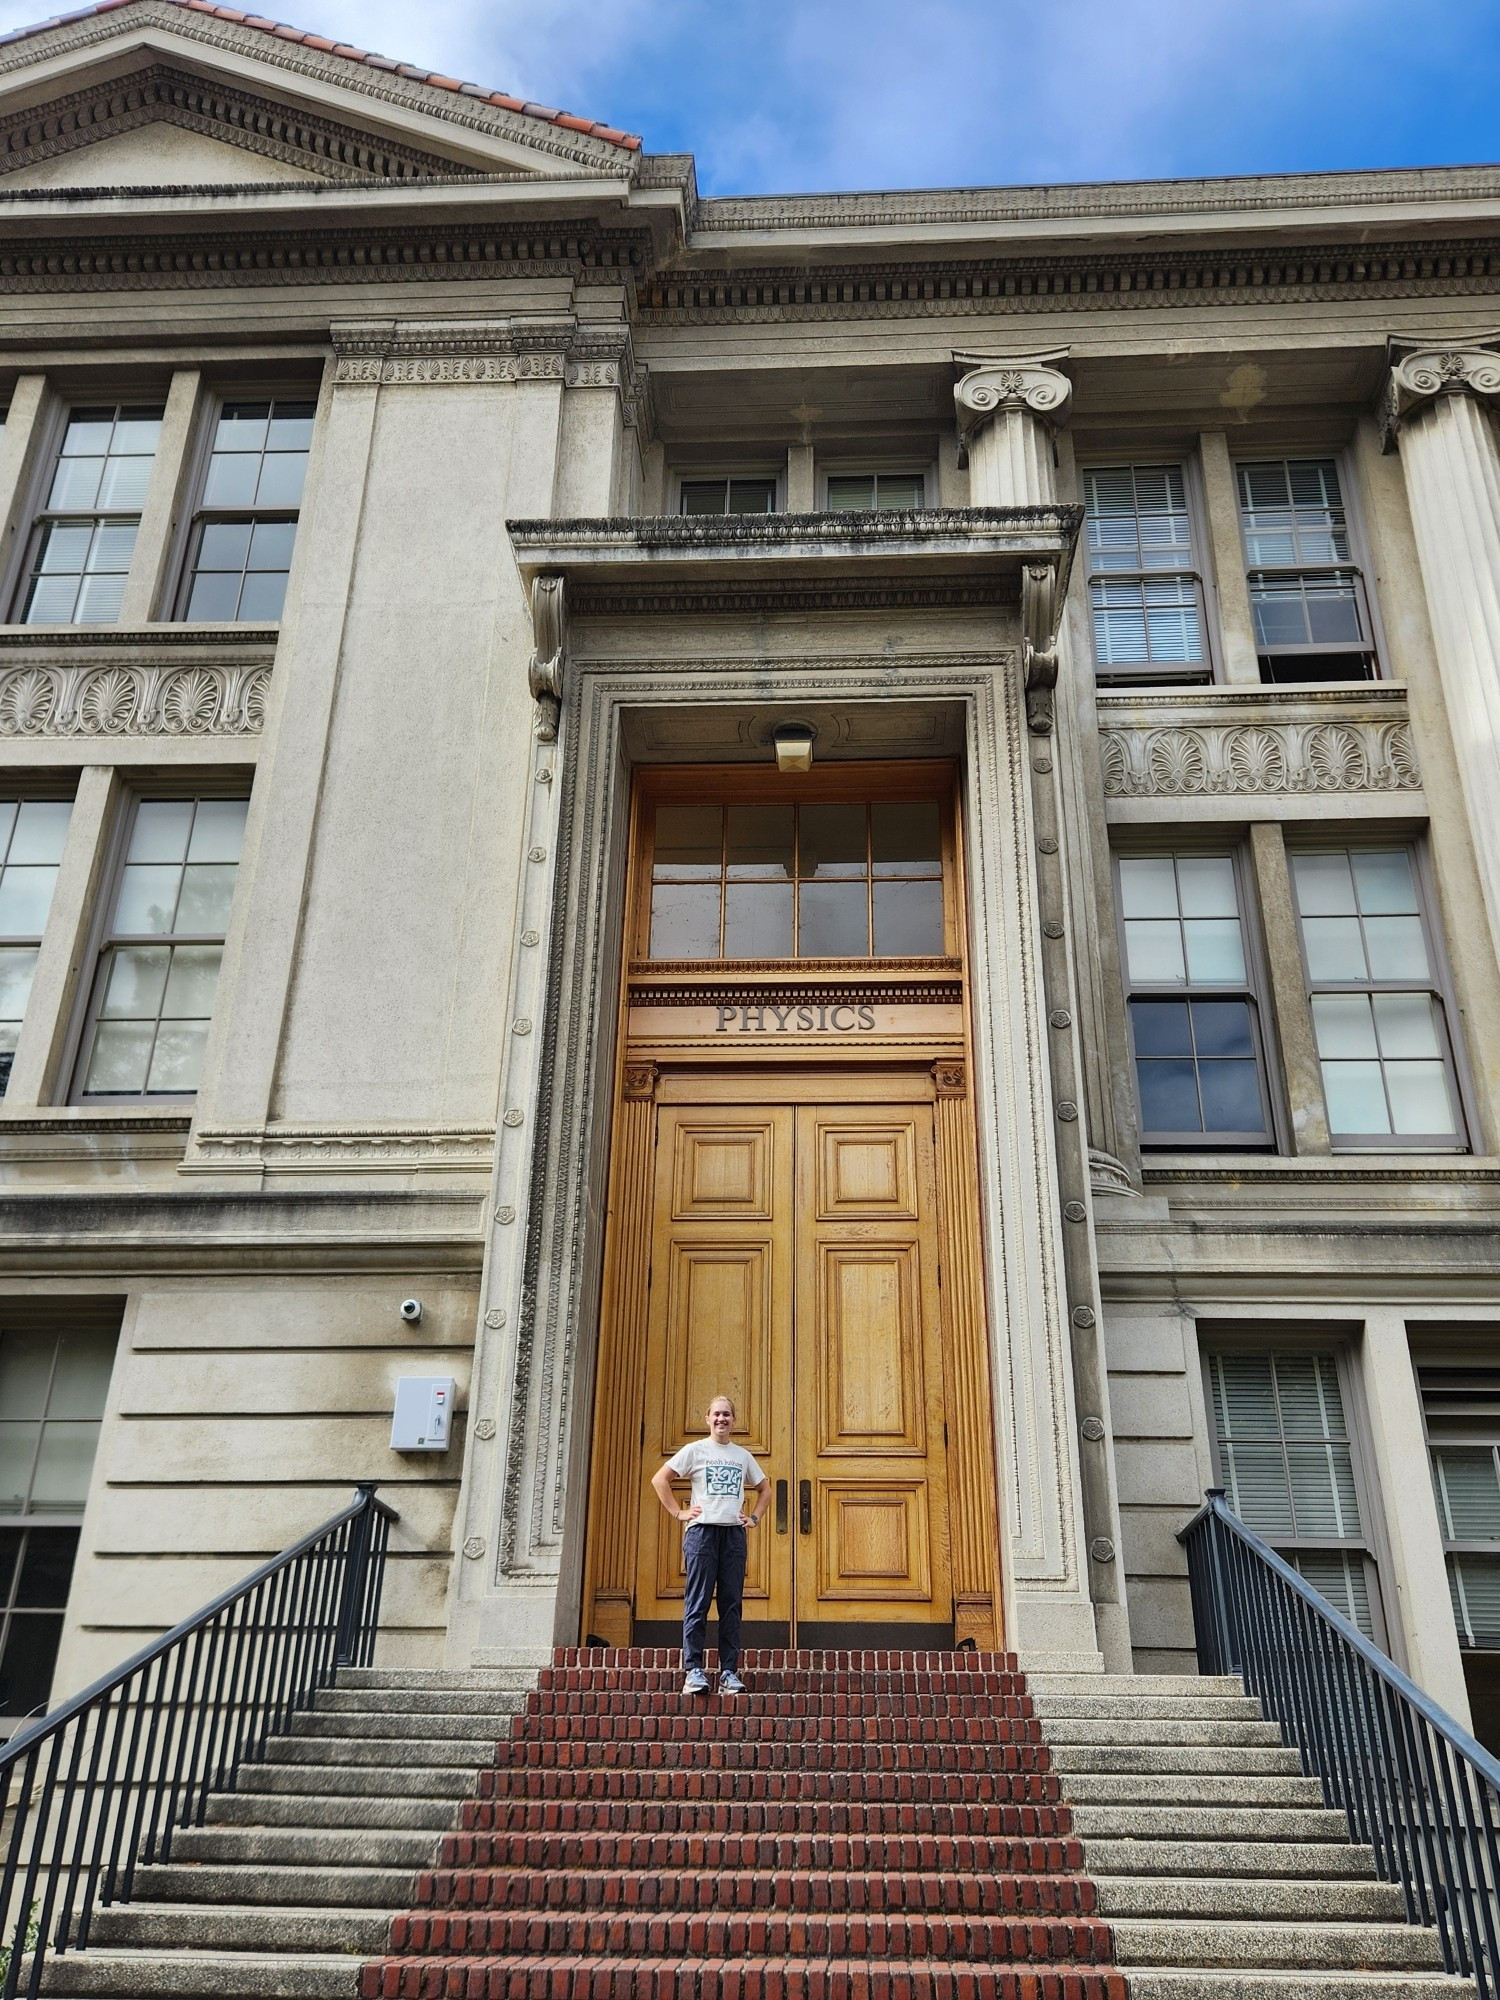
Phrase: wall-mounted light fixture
[794,746]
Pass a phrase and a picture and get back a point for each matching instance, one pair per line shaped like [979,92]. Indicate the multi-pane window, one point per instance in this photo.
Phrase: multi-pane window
[32,832]
[1377,1008]
[728,496]
[1145,596]
[84,537]
[859,492]
[1194,1027]
[246,525]
[845,880]
[1462,1408]
[1286,1462]
[154,989]
[1307,595]
[52,1391]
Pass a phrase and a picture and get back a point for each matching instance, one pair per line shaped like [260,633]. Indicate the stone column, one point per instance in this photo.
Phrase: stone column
[1007,412]
[1433,405]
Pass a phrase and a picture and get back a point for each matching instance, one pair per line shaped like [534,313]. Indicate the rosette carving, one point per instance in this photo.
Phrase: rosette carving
[1420,378]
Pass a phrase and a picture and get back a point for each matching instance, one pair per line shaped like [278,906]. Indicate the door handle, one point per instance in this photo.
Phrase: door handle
[781,1506]
[804,1506]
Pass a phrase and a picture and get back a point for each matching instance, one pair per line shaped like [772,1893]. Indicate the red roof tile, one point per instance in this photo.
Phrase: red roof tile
[626,140]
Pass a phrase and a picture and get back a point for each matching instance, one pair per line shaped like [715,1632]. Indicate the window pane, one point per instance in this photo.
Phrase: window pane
[26,1361]
[1474,1584]
[1153,953]
[1468,1492]
[80,1382]
[758,920]
[831,842]
[232,480]
[177,1063]
[207,891]
[41,827]
[50,601]
[17,969]
[1169,1096]
[906,839]
[1343,1580]
[281,479]
[1332,612]
[214,598]
[75,483]
[64,547]
[685,920]
[137,978]
[242,427]
[759,843]
[99,600]
[752,496]
[1205,885]
[191,982]
[1161,1028]
[1384,883]
[161,830]
[25,898]
[908,919]
[833,920]
[18,1443]
[1215,951]
[124,482]
[291,427]
[1406,1026]
[119,1059]
[1222,1028]
[1335,948]
[1396,947]
[1230,1093]
[28,1661]
[1419,1097]
[901,489]
[225,545]
[1356,1098]
[271,544]
[850,493]
[262,597]
[218,830]
[148,900]
[704,496]
[1255,1475]
[689,841]
[61,1482]
[1148,887]
[1343,1025]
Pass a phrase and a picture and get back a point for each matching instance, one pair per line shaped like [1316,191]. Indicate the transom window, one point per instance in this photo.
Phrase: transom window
[1378,1015]
[1194,1021]
[841,880]
[859,492]
[154,989]
[85,535]
[246,528]
[727,496]
[53,1386]
[1287,1465]
[1306,592]
[1145,596]
[32,832]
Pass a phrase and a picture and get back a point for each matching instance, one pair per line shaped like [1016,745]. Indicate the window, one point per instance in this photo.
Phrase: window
[728,496]
[1192,1006]
[1378,1014]
[53,1385]
[860,492]
[1145,594]
[154,989]
[85,535]
[845,880]
[246,527]
[1462,1408]
[32,832]
[1307,595]
[1286,1463]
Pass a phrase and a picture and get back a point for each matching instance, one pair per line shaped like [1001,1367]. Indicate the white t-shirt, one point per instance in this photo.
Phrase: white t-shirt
[720,1473]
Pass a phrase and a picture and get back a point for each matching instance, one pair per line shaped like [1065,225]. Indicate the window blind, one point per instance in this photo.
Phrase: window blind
[1462,1409]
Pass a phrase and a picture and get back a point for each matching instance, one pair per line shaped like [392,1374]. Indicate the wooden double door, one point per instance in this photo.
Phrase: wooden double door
[794,1265]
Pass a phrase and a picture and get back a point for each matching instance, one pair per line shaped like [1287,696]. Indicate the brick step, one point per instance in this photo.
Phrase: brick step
[906,1709]
[923,1784]
[491,1821]
[962,1939]
[768,1659]
[821,1853]
[712,1886]
[752,1724]
[913,1683]
[742,1979]
[713,1751]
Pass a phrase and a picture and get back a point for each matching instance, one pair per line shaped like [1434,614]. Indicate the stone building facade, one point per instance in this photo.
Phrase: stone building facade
[433,536]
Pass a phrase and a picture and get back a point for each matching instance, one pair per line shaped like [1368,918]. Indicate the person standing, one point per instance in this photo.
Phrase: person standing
[714,1545]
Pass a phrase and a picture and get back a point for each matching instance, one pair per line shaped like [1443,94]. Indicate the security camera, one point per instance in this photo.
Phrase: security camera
[411,1311]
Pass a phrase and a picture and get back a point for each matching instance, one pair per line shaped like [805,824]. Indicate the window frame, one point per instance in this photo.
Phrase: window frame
[1209,671]
[1303,839]
[100,935]
[18,789]
[53,430]
[188,533]
[1338,1340]
[896,467]
[1155,843]
[1359,561]
[773,474]
[1472,1437]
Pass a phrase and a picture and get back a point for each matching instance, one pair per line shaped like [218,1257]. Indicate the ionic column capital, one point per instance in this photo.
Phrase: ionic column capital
[1417,379]
[992,386]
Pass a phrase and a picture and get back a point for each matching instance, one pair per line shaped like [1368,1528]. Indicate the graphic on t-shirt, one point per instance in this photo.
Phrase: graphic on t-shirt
[724,1480]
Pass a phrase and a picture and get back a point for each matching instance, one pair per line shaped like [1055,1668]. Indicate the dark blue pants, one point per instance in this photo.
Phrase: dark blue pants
[715,1560]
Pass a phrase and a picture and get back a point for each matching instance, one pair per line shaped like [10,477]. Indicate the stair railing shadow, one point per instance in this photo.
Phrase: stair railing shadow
[1413,1785]
[100,1786]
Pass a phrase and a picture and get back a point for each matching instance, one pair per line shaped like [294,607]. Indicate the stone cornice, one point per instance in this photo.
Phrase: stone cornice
[535,347]
[160,93]
[1420,376]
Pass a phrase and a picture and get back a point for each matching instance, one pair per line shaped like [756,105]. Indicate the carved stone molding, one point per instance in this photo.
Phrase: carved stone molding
[338,1148]
[123,698]
[1419,378]
[1041,610]
[992,386]
[1259,759]
[548,668]
[1107,1175]
[546,348]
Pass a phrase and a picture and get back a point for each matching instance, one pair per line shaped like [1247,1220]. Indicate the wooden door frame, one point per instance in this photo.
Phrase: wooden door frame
[644,1070]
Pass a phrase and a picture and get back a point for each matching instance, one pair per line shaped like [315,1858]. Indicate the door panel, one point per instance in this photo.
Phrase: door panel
[872,1376]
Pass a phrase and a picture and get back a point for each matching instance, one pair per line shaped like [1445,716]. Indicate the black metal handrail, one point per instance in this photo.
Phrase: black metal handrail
[101,1784]
[1413,1785]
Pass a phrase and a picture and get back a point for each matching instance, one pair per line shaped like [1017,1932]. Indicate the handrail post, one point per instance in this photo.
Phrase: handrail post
[356,1562]
[1225,1653]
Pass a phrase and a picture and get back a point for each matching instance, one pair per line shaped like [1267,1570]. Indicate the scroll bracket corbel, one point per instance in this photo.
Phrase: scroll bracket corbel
[1041,614]
[549,658]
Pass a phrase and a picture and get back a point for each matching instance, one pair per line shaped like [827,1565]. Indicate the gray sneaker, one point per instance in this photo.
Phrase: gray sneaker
[732,1684]
[696,1682]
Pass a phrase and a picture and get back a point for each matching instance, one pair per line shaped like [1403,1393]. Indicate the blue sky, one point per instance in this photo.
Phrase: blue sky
[817,94]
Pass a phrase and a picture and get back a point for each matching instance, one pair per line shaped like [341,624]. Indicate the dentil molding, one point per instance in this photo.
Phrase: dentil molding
[338,1148]
[537,348]
[1421,377]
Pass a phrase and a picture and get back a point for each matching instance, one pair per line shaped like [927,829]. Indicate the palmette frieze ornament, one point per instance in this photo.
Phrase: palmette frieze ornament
[126,699]
[1259,759]
[1416,380]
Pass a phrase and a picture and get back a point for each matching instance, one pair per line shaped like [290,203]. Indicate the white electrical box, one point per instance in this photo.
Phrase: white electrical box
[423,1418]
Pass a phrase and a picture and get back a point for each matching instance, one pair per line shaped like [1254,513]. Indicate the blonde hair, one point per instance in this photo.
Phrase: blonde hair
[721,1399]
